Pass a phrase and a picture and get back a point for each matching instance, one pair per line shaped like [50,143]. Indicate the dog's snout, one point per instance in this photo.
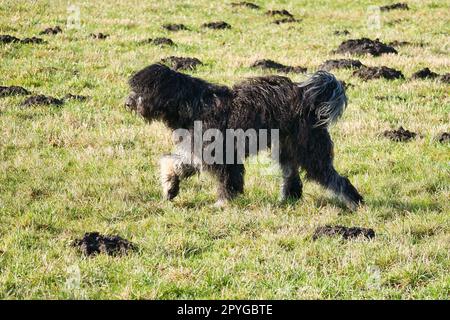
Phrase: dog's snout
[130,102]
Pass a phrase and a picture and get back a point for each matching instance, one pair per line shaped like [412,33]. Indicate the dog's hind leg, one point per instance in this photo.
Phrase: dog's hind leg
[292,184]
[317,160]
[173,170]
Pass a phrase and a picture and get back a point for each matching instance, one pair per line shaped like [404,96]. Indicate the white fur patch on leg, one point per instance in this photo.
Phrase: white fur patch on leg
[168,176]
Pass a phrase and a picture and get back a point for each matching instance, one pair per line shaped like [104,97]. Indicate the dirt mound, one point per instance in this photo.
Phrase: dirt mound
[445,78]
[286,20]
[52,31]
[395,6]
[245,4]
[341,32]
[181,63]
[279,13]
[344,232]
[364,46]
[174,26]
[13,91]
[341,64]
[159,42]
[6,38]
[425,73]
[99,36]
[77,97]
[399,135]
[270,64]
[94,243]
[444,137]
[384,98]
[369,73]
[41,100]
[216,25]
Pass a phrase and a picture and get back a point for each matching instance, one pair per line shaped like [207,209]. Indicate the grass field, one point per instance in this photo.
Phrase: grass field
[93,166]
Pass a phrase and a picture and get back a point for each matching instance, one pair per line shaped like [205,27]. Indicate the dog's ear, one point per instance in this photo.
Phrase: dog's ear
[324,96]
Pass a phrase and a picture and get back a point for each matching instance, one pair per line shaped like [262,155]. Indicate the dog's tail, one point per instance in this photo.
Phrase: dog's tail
[324,97]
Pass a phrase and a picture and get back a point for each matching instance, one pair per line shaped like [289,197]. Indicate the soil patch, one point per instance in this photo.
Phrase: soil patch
[6,38]
[245,4]
[341,33]
[99,36]
[77,97]
[270,64]
[181,63]
[369,73]
[174,26]
[384,98]
[344,232]
[445,78]
[425,73]
[159,42]
[32,40]
[400,135]
[52,31]
[395,6]
[216,25]
[279,13]
[42,100]
[286,20]
[13,91]
[365,46]
[94,243]
[444,137]
[341,64]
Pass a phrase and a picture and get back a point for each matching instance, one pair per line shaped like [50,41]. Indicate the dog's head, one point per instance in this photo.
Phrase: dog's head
[324,96]
[150,91]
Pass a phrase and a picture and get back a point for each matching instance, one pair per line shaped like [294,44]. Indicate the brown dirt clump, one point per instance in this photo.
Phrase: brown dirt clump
[159,42]
[344,232]
[282,12]
[341,32]
[425,73]
[13,91]
[99,36]
[400,135]
[77,97]
[444,137]
[369,73]
[395,6]
[52,31]
[174,26]
[364,46]
[181,63]
[341,64]
[445,78]
[286,20]
[94,243]
[217,25]
[42,100]
[270,64]
[245,4]
[6,38]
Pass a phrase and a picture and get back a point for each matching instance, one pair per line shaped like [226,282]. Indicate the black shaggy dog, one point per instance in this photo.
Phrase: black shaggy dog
[301,112]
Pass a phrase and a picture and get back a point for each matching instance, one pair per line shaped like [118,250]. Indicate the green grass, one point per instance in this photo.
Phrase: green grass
[92,166]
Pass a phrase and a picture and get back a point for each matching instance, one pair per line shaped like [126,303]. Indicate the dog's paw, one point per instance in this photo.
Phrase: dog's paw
[221,203]
[351,196]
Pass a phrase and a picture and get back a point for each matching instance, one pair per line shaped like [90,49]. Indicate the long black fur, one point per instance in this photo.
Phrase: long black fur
[301,111]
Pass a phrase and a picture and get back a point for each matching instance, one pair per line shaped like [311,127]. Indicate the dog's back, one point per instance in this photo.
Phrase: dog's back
[266,101]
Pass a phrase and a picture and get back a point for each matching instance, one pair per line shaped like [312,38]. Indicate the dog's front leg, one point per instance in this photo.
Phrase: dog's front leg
[231,182]
[173,170]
